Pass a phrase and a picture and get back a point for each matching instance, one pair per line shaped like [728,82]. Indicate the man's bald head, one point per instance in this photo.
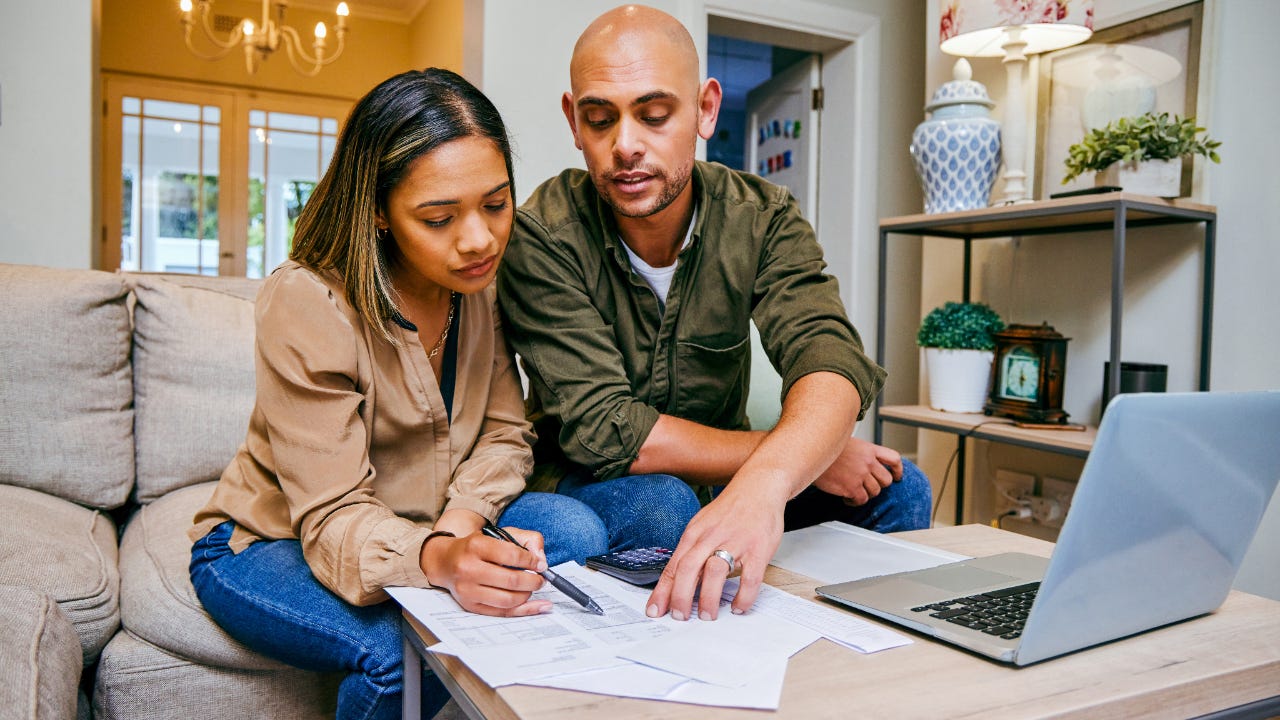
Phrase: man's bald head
[631,33]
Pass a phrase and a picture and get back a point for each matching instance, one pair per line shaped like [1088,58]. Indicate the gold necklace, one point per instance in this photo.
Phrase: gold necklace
[453,304]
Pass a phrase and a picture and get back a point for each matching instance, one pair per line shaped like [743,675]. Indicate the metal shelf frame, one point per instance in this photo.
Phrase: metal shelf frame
[1115,211]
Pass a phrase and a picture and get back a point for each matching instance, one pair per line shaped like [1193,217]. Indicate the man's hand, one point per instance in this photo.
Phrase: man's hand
[748,526]
[860,471]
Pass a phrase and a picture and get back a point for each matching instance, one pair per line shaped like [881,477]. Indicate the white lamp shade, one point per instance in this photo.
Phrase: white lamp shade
[975,28]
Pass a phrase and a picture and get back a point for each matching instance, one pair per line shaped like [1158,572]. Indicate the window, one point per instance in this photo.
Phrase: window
[179,199]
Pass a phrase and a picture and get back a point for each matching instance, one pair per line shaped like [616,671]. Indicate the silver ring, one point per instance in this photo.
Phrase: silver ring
[726,556]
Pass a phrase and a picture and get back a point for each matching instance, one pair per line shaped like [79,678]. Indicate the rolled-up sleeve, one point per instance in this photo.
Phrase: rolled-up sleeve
[570,353]
[802,321]
[307,395]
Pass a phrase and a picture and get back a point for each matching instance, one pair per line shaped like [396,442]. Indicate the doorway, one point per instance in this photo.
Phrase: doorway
[207,180]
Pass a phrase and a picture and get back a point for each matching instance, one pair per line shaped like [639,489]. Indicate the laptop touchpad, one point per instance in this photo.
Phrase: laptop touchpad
[960,577]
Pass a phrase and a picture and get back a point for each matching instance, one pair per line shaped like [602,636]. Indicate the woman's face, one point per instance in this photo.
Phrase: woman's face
[451,217]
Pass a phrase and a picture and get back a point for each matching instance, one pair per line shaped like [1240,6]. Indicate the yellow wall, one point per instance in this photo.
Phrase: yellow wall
[435,36]
[145,37]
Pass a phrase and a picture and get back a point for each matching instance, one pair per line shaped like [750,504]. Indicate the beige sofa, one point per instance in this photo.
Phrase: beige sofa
[124,396]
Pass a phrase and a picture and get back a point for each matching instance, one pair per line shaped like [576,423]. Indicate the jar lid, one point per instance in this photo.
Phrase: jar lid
[962,90]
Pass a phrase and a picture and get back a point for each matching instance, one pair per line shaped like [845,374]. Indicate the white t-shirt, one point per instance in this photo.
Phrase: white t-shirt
[659,278]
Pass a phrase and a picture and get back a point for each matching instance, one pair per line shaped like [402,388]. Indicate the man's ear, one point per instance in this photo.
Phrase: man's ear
[709,98]
[566,104]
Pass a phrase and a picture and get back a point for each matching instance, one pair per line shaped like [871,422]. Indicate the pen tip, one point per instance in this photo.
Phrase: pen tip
[593,607]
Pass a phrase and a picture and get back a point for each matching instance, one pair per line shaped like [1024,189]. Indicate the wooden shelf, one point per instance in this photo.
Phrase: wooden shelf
[1115,212]
[1073,214]
[1076,443]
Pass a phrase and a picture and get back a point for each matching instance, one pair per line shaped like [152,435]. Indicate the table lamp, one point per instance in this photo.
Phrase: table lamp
[1014,29]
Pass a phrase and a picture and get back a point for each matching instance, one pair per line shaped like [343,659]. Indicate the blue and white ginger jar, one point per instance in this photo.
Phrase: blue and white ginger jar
[957,150]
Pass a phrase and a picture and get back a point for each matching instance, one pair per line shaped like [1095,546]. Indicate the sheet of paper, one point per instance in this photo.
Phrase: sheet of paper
[502,651]
[835,552]
[725,652]
[834,624]
[762,692]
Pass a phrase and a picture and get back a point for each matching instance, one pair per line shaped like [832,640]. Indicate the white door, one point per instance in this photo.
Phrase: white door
[783,131]
[783,126]
[207,180]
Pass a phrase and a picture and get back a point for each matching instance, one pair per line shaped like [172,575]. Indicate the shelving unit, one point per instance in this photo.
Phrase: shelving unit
[1117,212]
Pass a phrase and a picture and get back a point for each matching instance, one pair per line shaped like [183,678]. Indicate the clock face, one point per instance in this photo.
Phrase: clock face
[1019,377]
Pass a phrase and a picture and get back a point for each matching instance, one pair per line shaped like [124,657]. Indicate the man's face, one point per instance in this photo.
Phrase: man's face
[634,115]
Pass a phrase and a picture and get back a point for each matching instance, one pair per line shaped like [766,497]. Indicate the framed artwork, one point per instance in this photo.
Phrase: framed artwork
[1148,65]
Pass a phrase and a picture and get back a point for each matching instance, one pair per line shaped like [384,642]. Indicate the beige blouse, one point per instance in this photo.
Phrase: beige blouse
[349,447]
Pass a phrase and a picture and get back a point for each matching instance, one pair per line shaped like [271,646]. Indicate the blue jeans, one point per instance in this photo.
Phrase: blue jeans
[649,510]
[904,505]
[637,510]
[267,598]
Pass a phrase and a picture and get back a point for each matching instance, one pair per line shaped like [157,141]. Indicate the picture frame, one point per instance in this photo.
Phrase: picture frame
[1148,64]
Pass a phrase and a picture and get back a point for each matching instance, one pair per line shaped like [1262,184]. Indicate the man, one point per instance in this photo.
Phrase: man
[628,291]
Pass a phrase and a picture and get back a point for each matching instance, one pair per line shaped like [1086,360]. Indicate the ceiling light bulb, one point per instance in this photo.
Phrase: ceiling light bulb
[321,32]
[248,27]
[342,9]
[185,6]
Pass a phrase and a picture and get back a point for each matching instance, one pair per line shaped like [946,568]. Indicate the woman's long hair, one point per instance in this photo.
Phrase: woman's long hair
[396,123]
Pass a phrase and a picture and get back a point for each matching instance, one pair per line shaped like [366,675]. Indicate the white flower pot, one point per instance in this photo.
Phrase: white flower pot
[958,379]
[1158,178]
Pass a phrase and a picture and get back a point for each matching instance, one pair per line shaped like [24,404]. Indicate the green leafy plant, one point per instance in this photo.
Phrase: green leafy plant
[960,326]
[1146,137]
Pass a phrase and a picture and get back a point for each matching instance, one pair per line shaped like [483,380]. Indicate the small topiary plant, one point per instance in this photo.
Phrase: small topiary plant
[960,326]
[1145,137]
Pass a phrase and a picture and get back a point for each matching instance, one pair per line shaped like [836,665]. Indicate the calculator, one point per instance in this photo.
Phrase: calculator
[638,566]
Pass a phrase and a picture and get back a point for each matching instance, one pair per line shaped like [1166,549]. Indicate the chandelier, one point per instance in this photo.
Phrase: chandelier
[265,37]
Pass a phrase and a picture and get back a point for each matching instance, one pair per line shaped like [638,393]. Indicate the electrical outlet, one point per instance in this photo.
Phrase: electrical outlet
[1013,490]
[1055,501]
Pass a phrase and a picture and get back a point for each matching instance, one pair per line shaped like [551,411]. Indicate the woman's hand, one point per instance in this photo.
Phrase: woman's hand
[488,576]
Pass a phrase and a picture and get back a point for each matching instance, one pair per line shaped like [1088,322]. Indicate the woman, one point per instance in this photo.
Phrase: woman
[389,423]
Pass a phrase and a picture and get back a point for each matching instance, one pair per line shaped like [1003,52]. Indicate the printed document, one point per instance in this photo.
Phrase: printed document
[836,552]
[735,661]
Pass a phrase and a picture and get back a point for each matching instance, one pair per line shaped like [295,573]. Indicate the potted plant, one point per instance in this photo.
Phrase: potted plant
[958,354]
[1140,154]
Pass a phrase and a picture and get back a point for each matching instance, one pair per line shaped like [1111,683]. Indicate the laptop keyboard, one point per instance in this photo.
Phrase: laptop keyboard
[998,612]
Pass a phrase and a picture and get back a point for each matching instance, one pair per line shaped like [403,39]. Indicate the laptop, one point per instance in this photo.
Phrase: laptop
[1168,502]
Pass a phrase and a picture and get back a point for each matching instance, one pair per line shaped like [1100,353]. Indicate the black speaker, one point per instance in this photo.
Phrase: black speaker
[1134,378]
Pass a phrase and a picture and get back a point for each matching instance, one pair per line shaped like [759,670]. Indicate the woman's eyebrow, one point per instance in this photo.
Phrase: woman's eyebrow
[434,203]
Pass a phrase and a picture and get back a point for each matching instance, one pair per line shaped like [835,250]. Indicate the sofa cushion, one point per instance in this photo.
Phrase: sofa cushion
[157,601]
[138,681]
[66,384]
[40,658]
[193,377]
[66,551]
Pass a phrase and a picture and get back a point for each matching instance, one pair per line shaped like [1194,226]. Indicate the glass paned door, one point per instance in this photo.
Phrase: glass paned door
[288,153]
[208,180]
[168,213]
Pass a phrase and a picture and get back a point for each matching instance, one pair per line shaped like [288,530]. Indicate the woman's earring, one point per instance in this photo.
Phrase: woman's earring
[382,233]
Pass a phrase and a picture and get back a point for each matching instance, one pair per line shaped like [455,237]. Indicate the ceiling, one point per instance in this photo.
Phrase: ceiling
[393,10]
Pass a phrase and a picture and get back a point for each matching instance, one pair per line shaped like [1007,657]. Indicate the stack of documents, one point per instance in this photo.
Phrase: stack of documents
[735,661]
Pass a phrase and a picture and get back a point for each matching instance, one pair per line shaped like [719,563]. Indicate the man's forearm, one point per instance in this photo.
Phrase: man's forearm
[693,452]
[818,416]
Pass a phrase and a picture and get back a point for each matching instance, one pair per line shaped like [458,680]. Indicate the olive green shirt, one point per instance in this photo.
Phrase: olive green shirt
[604,357]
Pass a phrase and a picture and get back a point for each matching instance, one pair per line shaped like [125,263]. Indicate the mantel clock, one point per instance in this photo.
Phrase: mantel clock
[1026,377]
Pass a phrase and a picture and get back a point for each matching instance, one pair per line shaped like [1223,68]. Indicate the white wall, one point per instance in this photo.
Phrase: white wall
[1066,281]
[1244,100]
[48,133]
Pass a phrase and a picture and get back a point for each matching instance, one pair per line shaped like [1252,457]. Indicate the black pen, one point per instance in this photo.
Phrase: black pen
[556,581]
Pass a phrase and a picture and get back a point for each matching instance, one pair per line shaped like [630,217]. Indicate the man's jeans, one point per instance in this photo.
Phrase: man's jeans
[649,510]
[267,598]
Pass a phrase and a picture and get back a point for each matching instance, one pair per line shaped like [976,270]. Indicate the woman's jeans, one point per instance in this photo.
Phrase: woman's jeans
[267,598]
